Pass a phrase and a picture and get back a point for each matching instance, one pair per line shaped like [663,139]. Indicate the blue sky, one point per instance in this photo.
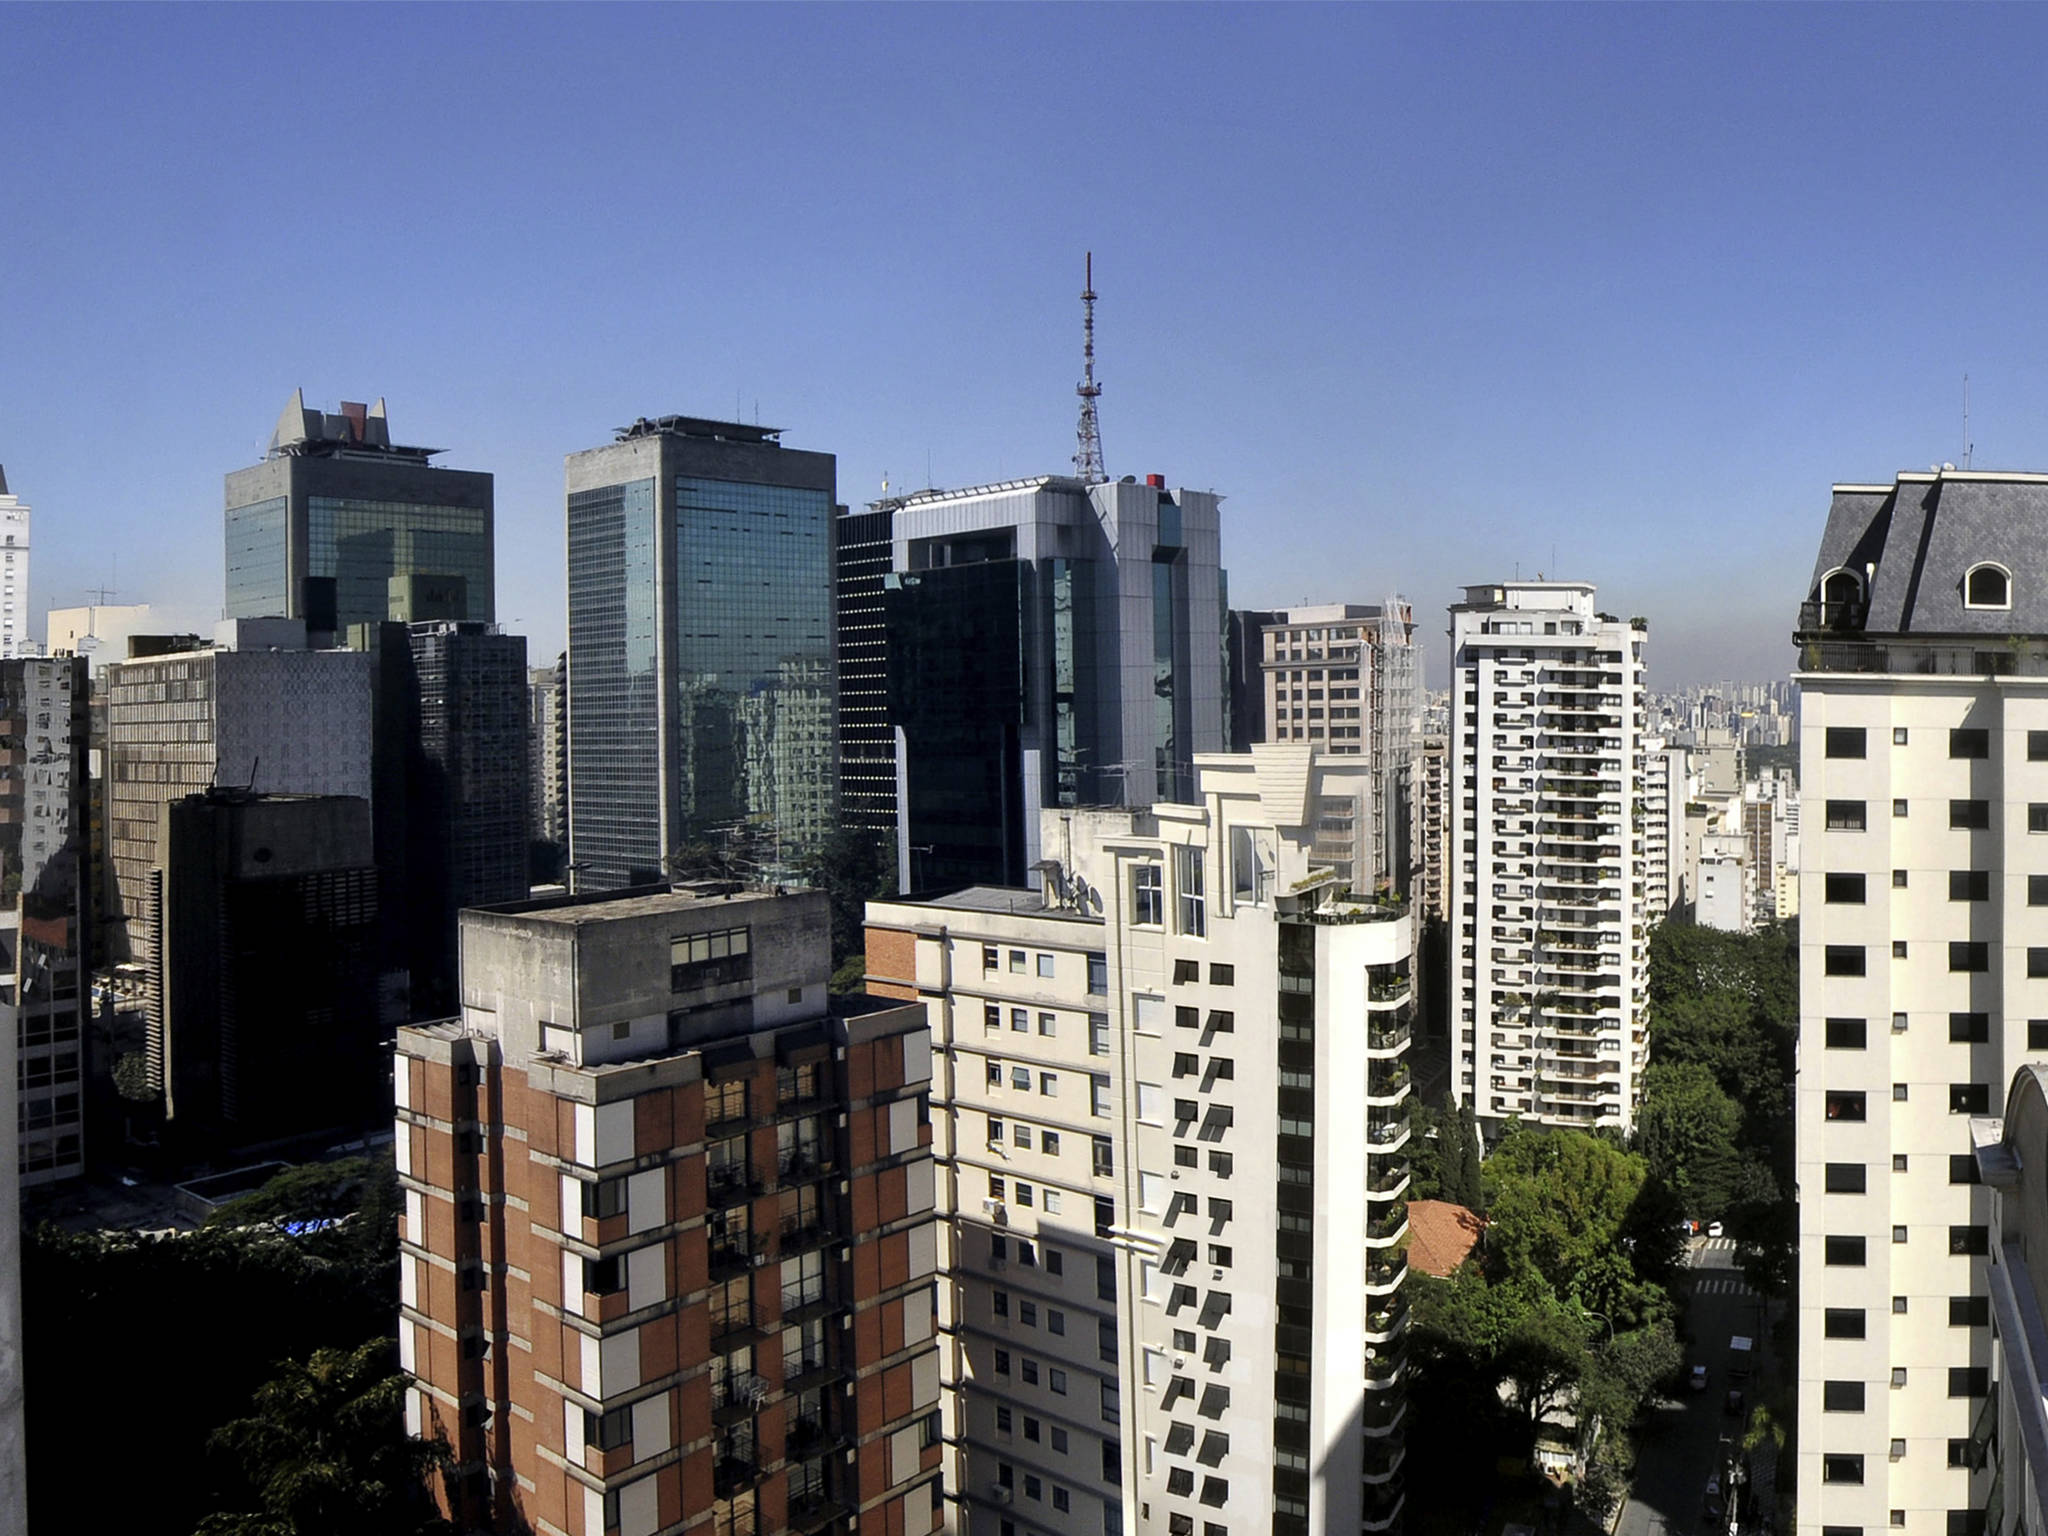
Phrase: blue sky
[1429,293]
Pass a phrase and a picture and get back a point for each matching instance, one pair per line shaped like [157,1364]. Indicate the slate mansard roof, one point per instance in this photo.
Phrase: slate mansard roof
[1912,542]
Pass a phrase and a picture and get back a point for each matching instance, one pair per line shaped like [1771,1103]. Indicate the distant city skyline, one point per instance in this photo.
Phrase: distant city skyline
[1462,323]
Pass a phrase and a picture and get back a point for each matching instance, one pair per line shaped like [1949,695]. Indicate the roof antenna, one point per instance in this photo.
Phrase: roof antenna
[1968,446]
[1088,455]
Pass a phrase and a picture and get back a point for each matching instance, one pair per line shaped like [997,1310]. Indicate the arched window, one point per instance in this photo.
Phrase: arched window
[1987,585]
[1841,587]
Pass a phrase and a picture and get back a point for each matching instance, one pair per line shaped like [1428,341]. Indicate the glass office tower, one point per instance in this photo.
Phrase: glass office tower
[701,688]
[340,526]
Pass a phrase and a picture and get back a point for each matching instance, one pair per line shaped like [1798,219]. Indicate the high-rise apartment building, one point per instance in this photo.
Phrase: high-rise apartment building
[15,639]
[1051,643]
[863,551]
[1432,753]
[547,753]
[1664,770]
[700,650]
[45,820]
[259,710]
[263,980]
[340,526]
[1169,1111]
[1923,902]
[1544,860]
[1342,678]
[668,1253]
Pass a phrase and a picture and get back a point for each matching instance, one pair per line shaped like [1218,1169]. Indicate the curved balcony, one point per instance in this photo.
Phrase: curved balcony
[1385,1414]
[1384,1273]
[1386,1324]
[1384,1366]
[1383,1459]
[1387,986]
[1386,1178]
[1387,1037]
[1386,1083]
[1384,1231]
[1386,1132]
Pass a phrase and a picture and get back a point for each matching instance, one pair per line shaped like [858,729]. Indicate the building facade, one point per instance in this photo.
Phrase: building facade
[548,754]
[340,526]
[15,639]
[700,651]
[259,710]
[45,821]
[1158,1083]
[1544,861]
[1051,643]
[1342,678]
[1664,771]
[263,980]
[2008,1441]
[1923,902]
[668,1253]
[862,551]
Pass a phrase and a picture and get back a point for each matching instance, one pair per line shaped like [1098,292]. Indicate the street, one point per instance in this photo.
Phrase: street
[1681,1444]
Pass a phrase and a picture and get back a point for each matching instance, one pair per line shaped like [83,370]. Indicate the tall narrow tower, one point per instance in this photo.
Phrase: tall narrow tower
[1088,457]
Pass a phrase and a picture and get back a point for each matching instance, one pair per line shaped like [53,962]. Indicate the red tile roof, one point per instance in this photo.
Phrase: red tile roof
[1440,1235]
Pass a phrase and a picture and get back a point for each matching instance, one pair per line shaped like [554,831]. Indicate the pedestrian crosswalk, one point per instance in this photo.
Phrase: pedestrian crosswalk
[1720,1283]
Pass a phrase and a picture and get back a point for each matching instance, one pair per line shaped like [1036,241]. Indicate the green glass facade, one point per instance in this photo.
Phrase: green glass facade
[363,544]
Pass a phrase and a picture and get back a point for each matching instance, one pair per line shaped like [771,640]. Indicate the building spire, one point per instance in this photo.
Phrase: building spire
[1088,456]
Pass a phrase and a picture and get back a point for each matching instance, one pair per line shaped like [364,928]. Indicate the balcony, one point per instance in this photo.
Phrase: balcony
[1838,616]
[1386,1132]
[736,1398]
[730,1183]
[1386,987]
[736,1254]
[1385,1414]
[1383,1504]
[731,1322]
[808,1368]
[733,1469]
[806,1230]
[1386,1177]
[1383,1365]
[821,1430]
[1385,1324]
[1385,1231]
[1386,1038]
[809,1299]
[1383,1458]
[813,1510]
[1386,1083]
[802,1162]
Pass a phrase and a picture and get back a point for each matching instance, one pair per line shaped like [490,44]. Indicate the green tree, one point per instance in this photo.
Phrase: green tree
[852,867]
[1471,1186]
[1687,1130]
[1558,1203]
[326,1452]
[1428,1153]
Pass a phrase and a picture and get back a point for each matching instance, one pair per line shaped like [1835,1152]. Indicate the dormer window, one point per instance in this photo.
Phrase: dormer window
[1841,587]
[1987,585]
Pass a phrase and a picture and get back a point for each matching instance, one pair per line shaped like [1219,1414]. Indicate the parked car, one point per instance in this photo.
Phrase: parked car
[1699,1378]
[1713,1229]
[1733,1405]
[1714,1507]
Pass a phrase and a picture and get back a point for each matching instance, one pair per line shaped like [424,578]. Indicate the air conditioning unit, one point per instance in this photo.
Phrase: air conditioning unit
[1001,1494]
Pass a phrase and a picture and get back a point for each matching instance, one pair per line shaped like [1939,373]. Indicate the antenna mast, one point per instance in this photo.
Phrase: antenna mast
[1088,456]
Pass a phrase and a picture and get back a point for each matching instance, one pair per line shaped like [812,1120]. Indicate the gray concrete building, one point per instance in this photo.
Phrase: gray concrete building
[340,526]
[701,687]
[257,709]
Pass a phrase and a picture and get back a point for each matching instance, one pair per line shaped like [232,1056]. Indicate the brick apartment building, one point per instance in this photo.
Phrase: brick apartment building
[668,1250]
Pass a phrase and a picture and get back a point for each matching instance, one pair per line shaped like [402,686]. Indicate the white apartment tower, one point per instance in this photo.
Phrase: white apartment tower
[1663,828]
[1923,900]
[1544,859]
[14,520]
[1169,1110]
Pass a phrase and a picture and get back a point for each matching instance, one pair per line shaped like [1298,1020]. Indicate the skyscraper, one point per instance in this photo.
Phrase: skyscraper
[701,688]
[668,1258]
[1544,862]
[1923,975]
[1051,642]
[340,526]
[867,742]
[1170,1108]
[14,612]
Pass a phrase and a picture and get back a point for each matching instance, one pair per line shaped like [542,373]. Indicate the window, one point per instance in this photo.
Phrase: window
[1841,1396]
[1003,1420]
[1098,975]
[1969,1098]
[1020,1020]
[1148,895]
[1973,955]
[709,959]
[1098,1097]
[991,1018]
[1845,741]
[1959,1453]
[1969,741]
[608,1431]
[1846,1178]
[1898,949]
[1020,1077]
[2037,1034]
[1899,1162]
[1841,1469]
[991,958]
[1049,1085]
[1898,1023]
[1962,1168]
[1844,960]
[2037,962]
[1898,735]
[1105,1156]
[1002,1362]
[2037,890]
[999,1303]
[1845,889]
[1969,885]
[1969,1380]
[1842,1323]
[1898,1234]
[1987,585]
[607,1197]
[1049,1143]
[1973,1027]
[1973,814]
[1846,1034]
[1017,962]
[1845,815]
[1972,1241]
[995,1074]
[1098,1034]
[2037,817]
[1105,1277]
[2037,746]
[1898,879]
[1027,1369]
[1898,809]
[1055,1320]
[1899,1093]
[1969,1311]
[1845,1105]
[1048,1024]
[1187,1018]
[1057,1380]
[1222,975]
[1187,881]
[1021,1134]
